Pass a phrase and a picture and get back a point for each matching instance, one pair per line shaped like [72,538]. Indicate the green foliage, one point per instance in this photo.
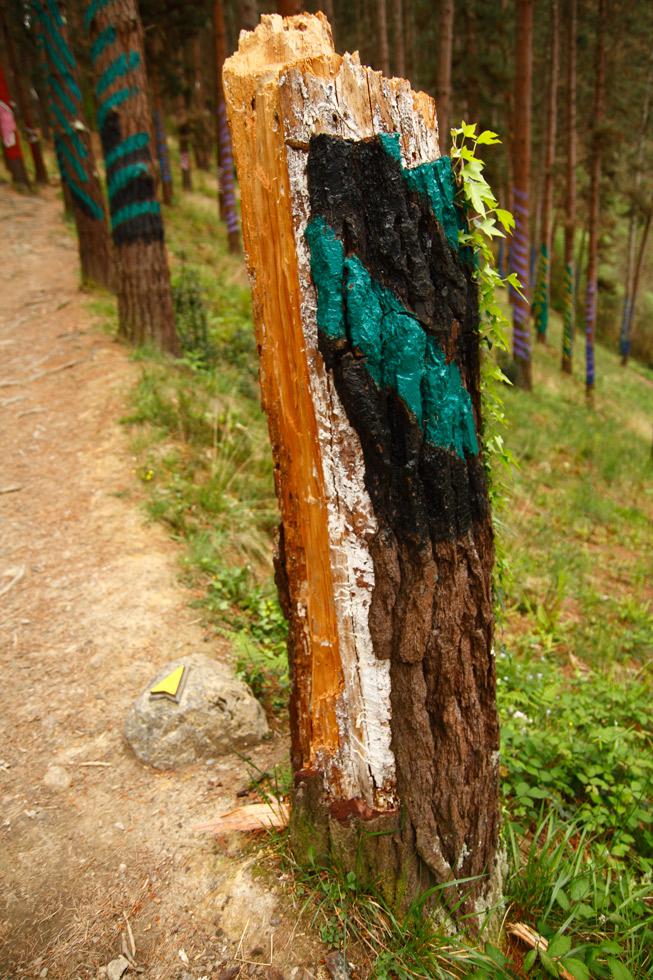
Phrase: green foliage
[191,316]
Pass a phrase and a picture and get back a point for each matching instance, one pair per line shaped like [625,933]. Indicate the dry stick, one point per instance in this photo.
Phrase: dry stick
[18,575]
[533,939]
[12,488]
[41,374]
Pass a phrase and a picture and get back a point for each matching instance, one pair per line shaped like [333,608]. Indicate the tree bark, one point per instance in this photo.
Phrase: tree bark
[443,77]
[144,299]
[569,314]
[163,156]
[12,152]
[227,188]
[382,33]
[200,128]
[636,278]
[521,152]
[248,14]
[543,287]
[595,206]
[73,147]
[32,134]
[399,51]
[367,324]
[183,129]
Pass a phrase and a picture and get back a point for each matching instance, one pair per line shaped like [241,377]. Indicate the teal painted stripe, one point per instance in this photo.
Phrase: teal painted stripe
[131,211]
[52,23]
[434,180]
[122,66]
[136,142]
[93,206]
[54,12]
[94,8]
[63,97]
[397,351]
[124,175]
[113,102]
[72,134]
[58,53]
[72,161]
[102,41]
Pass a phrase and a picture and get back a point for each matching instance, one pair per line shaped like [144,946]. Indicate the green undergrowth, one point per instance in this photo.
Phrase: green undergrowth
[572,649]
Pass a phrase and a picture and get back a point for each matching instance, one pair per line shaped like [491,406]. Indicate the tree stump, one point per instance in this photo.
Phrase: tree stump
[366,315]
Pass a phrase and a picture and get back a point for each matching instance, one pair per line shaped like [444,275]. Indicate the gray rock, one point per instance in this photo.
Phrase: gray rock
[56,777]
[216,713]
[117,968]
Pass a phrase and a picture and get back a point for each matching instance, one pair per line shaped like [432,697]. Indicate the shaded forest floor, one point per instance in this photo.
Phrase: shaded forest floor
[91,606]
[105,598]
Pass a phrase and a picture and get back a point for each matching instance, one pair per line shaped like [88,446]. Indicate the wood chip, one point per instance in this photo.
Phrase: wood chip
[533,939]
[254,816]
[87,765]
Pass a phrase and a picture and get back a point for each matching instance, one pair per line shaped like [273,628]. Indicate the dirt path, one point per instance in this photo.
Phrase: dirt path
[92,607]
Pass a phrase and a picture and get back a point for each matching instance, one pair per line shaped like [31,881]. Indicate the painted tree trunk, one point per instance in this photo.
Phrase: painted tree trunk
[225,155]
[569,312]
[542,290]
[31,132]
[591,297]
[383,53]
[73,147]
[11,149]
[183,129]
[521,153]
[367,325]
[443,75]
[144,300]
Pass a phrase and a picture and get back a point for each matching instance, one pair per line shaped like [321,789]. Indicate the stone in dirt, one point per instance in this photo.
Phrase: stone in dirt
[117,968]
[216,713]
[56,777]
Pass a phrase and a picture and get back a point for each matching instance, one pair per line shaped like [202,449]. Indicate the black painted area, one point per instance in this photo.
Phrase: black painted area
[81,204]
[419,491]
[144,228]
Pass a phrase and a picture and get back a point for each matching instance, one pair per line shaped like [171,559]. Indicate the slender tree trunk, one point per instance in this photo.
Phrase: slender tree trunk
[226,163]
[591,296]
[383,53]
[399,49]
[569,313]
[248,14]
[521,152]
[158,118]
[82,190]
[32,134]
[443,76]
[636,279]
[144,298]
[13,154]
[184,144]
[201,139]
[543,287]
[409,16]
[384,566]
[287,8]
[471,62]
[329,10]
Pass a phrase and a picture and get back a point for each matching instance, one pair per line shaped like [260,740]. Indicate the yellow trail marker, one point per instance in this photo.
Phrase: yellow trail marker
[170,686]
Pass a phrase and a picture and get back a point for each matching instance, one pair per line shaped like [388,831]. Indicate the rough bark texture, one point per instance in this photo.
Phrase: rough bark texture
[569,314]
[385,553]
[143,281]
[183,128]
[31,133]
[521,155]
[73,146]
[595,204]
[227,190]
[542,290]
[443,75]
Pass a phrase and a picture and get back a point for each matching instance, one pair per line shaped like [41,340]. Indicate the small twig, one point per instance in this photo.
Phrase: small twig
[18,574]
[11,488]
[533,939]
[87,765]
[132,944]
[29,411]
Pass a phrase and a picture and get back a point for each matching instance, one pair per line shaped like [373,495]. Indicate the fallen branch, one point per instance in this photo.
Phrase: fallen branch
[533,939]
[254,816]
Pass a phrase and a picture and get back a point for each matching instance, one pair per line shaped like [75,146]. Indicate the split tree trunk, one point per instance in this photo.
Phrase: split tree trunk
[595,205]
[521,152]
[543,288]
[145,311]
[227,187]
[72,141]
[443,77]
[31,132]
[367,325]
[569,313]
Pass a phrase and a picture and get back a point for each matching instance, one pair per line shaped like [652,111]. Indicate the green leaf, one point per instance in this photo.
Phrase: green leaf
[562,900]
[579,889]
[473,191]
[529,959]
[487,136]
[549,964]
[577,969]
[469,129]
[560,944]
[619,971]
[506,219]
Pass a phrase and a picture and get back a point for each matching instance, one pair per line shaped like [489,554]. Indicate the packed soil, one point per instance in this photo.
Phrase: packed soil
[96,845]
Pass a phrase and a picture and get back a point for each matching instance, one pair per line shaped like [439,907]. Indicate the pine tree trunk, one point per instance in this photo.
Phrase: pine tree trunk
[471,62]
[184,144]
[201,138]
[367,322]
[32,134]
[521,152]
[248,14]
[636,278]
[226,164]
[543,287]
[595,206]
[569,313]
[13,154]
[382,32]
[163,156]
[443,77]
[144,299]
[73,147]
[398,19]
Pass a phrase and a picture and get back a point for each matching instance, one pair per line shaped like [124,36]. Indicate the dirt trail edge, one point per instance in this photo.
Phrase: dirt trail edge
[90,608]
